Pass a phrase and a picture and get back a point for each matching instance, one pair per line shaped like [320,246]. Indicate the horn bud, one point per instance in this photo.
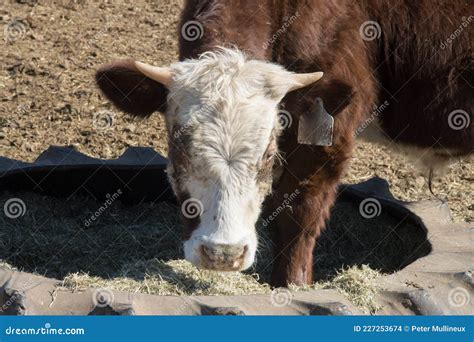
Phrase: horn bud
[303,80]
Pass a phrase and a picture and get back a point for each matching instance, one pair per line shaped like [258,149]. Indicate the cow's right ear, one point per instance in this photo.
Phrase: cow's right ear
[130,90]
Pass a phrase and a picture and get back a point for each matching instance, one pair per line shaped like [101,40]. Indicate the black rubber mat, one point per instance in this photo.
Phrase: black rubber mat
[62,171]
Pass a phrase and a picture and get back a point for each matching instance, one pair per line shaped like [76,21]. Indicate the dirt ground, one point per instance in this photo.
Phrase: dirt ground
[48,97]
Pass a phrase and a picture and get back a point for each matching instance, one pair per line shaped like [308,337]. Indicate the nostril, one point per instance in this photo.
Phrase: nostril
[244,251]
[208,252]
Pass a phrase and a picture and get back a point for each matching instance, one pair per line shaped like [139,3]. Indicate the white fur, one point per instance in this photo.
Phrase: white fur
[229,105]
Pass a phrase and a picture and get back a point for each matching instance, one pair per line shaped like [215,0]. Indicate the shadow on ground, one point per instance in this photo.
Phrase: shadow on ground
[56,237]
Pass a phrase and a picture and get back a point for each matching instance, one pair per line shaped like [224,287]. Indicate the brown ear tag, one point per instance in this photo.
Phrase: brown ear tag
[316,126]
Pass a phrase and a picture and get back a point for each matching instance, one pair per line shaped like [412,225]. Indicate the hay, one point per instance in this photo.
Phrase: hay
[138,249]
[176,277]
[358,285]
[355,283]
[6,266]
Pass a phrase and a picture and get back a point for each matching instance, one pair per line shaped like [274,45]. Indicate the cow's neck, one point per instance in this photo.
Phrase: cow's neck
[247,25]
[266,29]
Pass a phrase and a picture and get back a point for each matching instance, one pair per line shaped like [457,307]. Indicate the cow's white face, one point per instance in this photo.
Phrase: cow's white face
[222,120]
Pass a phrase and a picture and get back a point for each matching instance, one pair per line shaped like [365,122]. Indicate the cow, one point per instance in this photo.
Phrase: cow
[242,63]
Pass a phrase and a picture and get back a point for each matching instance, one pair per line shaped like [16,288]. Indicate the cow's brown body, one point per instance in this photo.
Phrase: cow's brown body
[405,66]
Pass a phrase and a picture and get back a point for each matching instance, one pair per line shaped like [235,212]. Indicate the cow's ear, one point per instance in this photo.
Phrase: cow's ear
[336,95]
[130,90]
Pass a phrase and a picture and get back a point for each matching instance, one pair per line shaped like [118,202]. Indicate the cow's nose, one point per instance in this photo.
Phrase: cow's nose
[223,257]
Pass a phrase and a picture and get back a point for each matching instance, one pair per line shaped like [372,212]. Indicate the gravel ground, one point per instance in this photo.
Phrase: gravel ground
[48,97]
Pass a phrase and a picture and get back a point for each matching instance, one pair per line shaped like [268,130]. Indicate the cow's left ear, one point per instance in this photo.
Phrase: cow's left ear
[129,87]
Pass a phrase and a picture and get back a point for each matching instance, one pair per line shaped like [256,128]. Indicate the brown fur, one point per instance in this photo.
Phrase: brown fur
[422,82]
[405,66]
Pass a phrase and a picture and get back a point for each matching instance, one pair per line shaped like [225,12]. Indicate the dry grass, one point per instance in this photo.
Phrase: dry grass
[174,277]
[357,283]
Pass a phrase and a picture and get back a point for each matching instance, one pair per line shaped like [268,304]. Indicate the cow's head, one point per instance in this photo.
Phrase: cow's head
[221,112]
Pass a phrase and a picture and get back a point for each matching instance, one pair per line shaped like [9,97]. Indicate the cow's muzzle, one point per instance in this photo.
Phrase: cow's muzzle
[222,257]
